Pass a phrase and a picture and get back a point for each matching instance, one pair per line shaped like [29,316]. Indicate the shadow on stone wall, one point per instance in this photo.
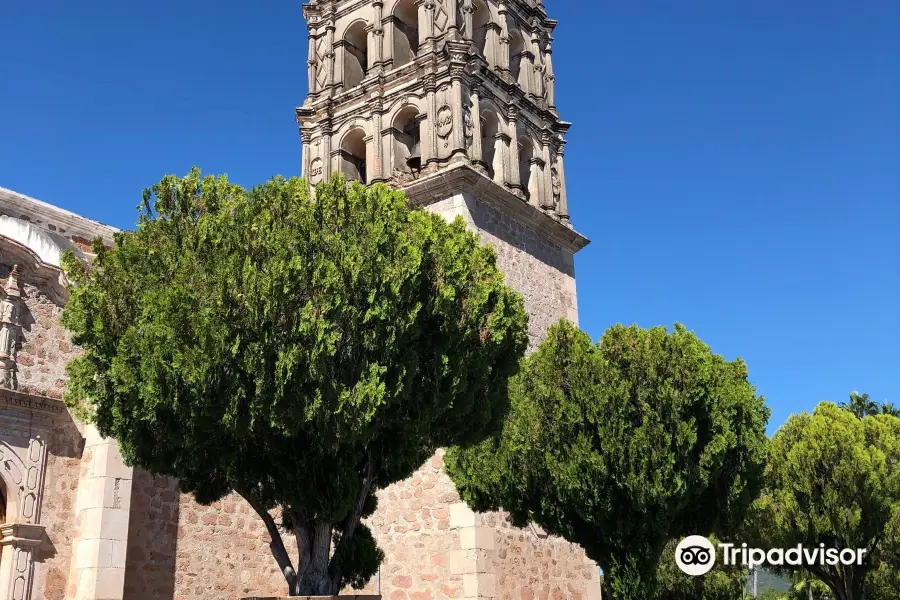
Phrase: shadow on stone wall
[152,538]
[498,224]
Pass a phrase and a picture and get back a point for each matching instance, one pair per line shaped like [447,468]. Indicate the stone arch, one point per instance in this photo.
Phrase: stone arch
[518,57]
[482,21]
[405,23]
[493,144]
[406,137]
[12,477]
[528,151]
[356,54]
[352,155]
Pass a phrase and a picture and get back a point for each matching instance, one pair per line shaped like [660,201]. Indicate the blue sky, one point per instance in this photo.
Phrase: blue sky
[736,164]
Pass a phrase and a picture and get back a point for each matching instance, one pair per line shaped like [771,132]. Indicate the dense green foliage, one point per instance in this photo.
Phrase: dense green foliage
[622,446]
[721,583]
[302,353]
[834,479]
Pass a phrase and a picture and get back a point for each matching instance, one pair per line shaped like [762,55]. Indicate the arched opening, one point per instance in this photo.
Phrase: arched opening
[2,503]
[407,141]
[526,155]
[491,143]
[353,155]
[481,22]
[517,56]
[356,56]
[405,21]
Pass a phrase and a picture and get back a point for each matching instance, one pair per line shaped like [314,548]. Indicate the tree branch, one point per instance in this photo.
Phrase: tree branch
[276,545]
[355,517]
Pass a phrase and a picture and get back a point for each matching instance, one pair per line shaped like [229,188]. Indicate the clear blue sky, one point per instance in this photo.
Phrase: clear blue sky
[736,164]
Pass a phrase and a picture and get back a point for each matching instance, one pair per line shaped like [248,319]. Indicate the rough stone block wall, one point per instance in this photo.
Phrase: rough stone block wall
[180,550]
[543,273]
[64,462]
[46,347]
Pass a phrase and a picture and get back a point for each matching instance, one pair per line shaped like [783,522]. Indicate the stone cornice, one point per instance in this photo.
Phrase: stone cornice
[21,534]
[465,179]
[52,218]
[32,404]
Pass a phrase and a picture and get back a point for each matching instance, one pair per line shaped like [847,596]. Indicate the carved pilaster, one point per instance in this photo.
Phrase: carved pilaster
[549,77]
[503,54]
[513,177]
[562,205]
[548,200]
[378,36]
[10,329]
[477,152]
[426,14]
[329,55]
[536,74]
[20,542]
[378,170]
[434,124]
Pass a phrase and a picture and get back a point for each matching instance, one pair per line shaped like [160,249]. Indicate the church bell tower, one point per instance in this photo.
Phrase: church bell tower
[453,102]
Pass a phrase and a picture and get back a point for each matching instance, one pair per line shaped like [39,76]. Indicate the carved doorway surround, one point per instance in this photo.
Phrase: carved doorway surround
[26,423]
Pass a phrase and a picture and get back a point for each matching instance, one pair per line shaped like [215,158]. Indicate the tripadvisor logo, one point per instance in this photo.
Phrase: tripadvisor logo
[696,555]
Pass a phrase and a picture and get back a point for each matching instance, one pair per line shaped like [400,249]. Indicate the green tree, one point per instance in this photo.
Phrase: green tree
[300,353]
[721,583]
[860,405]
[888,408]
[622,446]
[832,479]
[883,582]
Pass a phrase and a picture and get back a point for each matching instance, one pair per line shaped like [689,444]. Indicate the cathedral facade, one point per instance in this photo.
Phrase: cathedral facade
[451,101]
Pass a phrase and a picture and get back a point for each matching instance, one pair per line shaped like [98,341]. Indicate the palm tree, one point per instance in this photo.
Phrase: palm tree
[888,408]
[860,405]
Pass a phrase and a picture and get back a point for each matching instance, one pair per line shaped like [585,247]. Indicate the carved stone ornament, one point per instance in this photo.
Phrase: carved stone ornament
[316,171]
[556,185]
[444,123]
[469,126]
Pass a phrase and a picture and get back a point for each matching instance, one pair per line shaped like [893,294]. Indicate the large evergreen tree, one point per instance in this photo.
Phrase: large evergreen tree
[833,478]
[622,446]
[302,353]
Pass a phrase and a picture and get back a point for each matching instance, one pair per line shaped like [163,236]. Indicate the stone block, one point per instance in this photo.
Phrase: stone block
[461,562]
[110,584]
[107,462]
[461,515]
[481,538]
[594,591]
[105,523]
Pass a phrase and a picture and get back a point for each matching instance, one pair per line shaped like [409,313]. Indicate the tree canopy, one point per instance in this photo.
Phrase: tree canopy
[621,446]
[723,582]
[300,352]
[833,478]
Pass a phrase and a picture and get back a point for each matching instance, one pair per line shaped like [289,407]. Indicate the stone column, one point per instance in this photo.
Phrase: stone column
[536,182]
[549,77]
[503,40]
[536,74]
[477,151]
[304,154]
[547,200]
[378,171]
[452,22]
[426,23]
[431,100]
[329,55]
[562,208]
[458,140]
[501,155]
[102,507]
[326,151]
[378,36]
[312,63]
[513,177]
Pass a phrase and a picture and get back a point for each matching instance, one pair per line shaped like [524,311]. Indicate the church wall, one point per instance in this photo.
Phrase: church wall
[44,350]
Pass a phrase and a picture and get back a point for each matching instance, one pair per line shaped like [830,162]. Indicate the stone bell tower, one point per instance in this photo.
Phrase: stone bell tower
[453,102]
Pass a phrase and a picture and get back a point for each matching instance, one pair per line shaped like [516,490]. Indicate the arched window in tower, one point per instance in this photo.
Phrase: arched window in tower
[407,144]
[517,57]
[526,154]
[481,22]
[492,144]
[405,20]
[2,503]
[356,56]
[353,155]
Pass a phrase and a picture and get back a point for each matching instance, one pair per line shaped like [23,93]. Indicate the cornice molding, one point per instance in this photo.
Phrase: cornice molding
[464,179]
